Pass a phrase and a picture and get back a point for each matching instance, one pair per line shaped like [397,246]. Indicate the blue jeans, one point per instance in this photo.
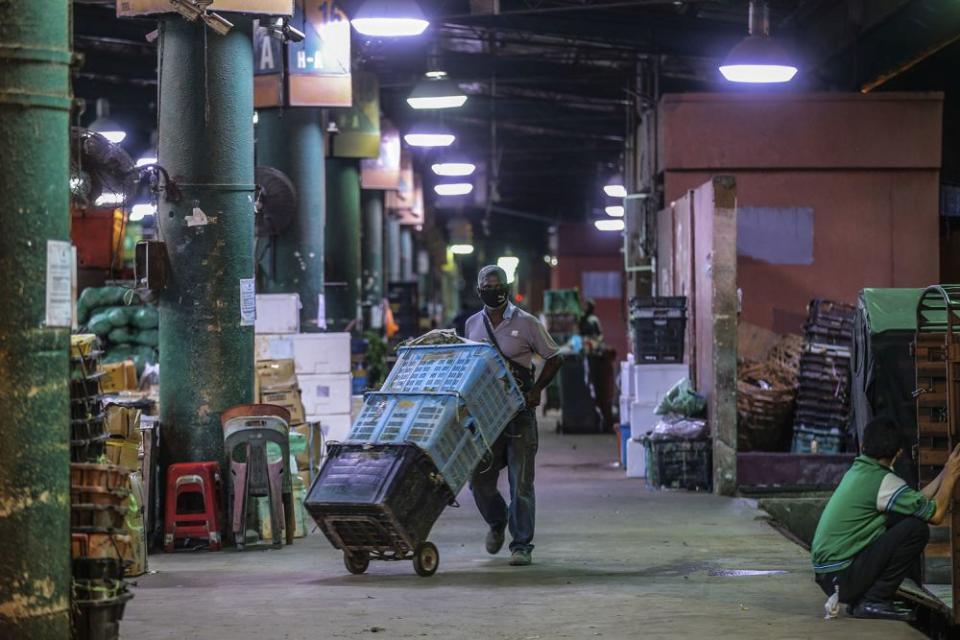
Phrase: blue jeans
[515,449]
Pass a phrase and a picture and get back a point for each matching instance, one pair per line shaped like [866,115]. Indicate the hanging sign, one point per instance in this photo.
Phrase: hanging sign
[128,8]
[383,172]
[319,67]
[59,291]
[359,126]
[406,202]
[267,68]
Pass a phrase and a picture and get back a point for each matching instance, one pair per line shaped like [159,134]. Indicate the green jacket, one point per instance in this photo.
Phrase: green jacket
[856,514]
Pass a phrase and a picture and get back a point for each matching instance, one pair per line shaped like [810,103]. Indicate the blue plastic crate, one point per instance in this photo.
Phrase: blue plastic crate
[475,371]
[438,423]
[828,440]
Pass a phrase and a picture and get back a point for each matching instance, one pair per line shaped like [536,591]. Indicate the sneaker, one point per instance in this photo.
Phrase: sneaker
[882,611]
[494,541]
[520,558]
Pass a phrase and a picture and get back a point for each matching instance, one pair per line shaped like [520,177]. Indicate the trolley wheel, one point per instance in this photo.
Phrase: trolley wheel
[426,559]
[356,562]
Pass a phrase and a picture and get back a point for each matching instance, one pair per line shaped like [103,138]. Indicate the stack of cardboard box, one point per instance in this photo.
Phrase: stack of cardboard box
[122,422]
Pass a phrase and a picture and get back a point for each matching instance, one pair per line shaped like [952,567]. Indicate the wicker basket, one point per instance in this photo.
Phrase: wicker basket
[766,393]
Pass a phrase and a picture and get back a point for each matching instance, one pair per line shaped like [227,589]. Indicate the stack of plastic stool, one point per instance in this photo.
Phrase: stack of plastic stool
[180,520]
[247,429]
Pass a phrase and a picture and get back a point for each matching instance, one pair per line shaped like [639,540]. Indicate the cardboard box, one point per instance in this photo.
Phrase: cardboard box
[123,422]
[325,394]
[273,347]
[82,344]
[327,353]
[123,453]
[118,376]
[276,375]
[277,313]
[289,400]
[311,432]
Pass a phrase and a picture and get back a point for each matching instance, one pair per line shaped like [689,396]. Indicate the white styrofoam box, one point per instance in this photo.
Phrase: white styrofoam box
[652,381]
[273,347]
[334,427]
[627,378]
[624,410]
[642,419]
[322,353]
[325,393]
[277,313]
[636,459]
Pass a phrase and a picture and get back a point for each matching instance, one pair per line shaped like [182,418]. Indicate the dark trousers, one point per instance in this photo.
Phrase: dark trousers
[878,570]
[515,449]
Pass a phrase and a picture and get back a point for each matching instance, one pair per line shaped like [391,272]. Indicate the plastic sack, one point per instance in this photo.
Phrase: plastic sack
[682,400]
[100,324]
[118,353]
[146,317]
[674,427]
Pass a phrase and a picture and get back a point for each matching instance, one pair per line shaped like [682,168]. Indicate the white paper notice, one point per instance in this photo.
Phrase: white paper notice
[248,302]
[59,297]
[321,311]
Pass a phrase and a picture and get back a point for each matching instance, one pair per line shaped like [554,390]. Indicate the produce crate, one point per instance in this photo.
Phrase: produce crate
[675,306]
[474,371]
[378,501]
[562,301]
[438,423]
[680,464]
[827,440]
[658,339]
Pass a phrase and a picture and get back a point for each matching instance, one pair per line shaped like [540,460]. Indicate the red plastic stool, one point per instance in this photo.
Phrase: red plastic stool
[203,479]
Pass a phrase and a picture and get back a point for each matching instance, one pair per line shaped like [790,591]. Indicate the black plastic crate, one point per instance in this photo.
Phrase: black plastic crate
[659,339]
[659,302]
[680,464]
[380,499]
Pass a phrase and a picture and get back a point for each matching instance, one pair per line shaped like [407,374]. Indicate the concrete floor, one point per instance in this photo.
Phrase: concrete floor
[613,560]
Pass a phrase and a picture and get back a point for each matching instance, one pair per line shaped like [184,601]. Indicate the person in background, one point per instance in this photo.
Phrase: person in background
[590,327]
[874,528]
[517,335]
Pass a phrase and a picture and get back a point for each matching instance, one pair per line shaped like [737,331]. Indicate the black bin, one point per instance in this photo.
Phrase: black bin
[379,501]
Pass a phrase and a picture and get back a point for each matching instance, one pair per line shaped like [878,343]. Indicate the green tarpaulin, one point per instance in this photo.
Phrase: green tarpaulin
[890,309]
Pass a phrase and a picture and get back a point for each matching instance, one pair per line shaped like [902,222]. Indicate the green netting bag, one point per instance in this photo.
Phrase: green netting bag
[146,317]
[148,337]
[122,335]
[118,353]
[93,298]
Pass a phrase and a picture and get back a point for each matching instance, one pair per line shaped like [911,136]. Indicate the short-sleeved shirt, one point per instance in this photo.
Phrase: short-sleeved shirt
[856,514]
[520,335]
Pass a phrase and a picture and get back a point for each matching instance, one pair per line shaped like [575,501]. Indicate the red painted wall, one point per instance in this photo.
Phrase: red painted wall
[868,166]
[582,248]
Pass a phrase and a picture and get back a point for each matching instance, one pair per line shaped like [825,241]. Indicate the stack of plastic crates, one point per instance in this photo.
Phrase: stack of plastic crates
[452,401]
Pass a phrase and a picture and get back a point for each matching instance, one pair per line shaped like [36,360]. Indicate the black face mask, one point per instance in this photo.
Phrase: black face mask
[493,297]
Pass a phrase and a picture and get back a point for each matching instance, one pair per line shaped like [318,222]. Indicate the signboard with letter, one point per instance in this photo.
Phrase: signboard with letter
[128,8]
[383,172]
[317,69]
[359,126]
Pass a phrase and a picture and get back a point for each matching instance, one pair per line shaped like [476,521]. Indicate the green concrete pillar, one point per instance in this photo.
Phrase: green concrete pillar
[408,255]
[391,249]
[206,144]
[372,247]
[342,242]
[34,367]
[291,140]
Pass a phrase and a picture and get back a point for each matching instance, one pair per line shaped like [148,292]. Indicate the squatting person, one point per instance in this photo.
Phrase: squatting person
[517,335]
[874,527]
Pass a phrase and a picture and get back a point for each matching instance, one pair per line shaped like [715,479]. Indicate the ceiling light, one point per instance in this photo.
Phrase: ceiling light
[614,210]
[139,211]
[758,58]
[609,224]
[390,19]
[144,161]
[615,190]
[105,125]
[426,135]
[509,265]
[436,92]
[461,249]
[453,189]
[109,198]
[454,169]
